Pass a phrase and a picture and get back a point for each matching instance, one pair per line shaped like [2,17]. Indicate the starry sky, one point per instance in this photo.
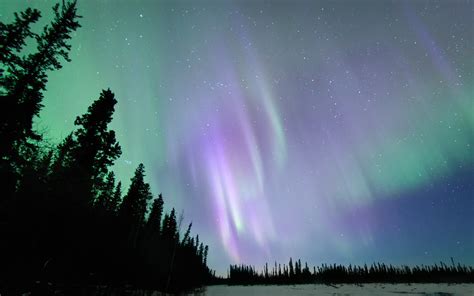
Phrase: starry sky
[332,131]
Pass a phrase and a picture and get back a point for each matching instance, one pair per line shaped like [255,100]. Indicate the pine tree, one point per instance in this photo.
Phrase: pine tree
[83,159]
[206,250]
[22,81]
[170,228]
[134,205]
[24,78]
[197,241]
[290,264]
[201,252]
[97,147]
[186,240]
[153,224]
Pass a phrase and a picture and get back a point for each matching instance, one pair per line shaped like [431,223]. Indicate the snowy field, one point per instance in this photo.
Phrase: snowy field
[366,289]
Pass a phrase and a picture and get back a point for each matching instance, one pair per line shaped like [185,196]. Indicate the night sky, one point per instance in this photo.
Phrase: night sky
[338,132]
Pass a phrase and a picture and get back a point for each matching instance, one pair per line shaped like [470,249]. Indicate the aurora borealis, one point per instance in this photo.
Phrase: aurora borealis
[334,131]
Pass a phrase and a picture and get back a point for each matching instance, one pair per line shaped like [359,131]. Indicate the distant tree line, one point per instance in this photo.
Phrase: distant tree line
[295,273]
[64,220]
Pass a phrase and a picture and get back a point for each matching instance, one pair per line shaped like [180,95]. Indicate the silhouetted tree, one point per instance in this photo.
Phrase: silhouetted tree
[186,235]
[153,224]
[170,227]
[290,264]
[22,81]
[134,205]
[96,147]
[206,250]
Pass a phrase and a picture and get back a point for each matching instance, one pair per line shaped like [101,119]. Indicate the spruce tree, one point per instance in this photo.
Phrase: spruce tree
[134,205]
[290,264]
[153,223]
[206,250]
[24,78]
[97,147]
[186,240]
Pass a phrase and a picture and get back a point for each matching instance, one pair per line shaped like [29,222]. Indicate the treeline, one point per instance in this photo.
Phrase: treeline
[64,221]
[295,273]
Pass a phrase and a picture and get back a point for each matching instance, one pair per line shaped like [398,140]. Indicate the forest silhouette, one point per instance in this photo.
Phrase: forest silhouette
[296,273]
[64,220]
[65,223]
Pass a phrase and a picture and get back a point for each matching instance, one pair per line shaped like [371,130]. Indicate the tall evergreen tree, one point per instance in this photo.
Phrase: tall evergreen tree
[290,264]
[134,205]
[186,240]
[24,78]
[22,81]
[153,223]
[170,229]
[206,250]
[97,147]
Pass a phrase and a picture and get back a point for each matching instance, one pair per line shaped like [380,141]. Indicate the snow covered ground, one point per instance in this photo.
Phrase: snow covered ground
[366,289]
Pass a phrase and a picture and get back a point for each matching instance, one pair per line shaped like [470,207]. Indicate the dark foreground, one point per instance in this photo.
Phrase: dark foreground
[296,290]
